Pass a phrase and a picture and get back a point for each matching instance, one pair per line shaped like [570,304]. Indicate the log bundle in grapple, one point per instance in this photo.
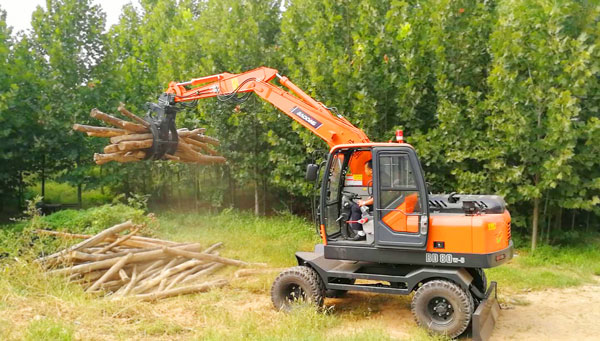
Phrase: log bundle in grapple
[140,139]
[119,265]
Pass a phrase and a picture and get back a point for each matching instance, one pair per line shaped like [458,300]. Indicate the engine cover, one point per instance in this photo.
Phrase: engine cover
[466,204]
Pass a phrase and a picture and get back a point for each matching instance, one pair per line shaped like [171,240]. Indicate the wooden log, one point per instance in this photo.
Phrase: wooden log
[204,256]
[131,115]
[207,139]
[169,265]
[147,241]
[162,285]
[103,131]
[165,274]
[103,264]
[119,157]
[113,270]
[110,285]
[152,270]
[111,148]
[98,238]
[118,241]
[108,135]
[130,137]
[172,157]
[185,132]
[201,145]
[117,122]
[186,273]
[195,269]
[132,282]
[213,247]
[197,157]
[133,145]
[123,275]
[205,272]
[183,290]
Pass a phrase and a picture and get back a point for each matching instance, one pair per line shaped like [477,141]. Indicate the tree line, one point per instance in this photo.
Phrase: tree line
[496,96]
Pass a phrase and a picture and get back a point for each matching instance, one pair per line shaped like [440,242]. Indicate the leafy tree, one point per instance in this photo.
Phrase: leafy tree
[539,73]
[67,43]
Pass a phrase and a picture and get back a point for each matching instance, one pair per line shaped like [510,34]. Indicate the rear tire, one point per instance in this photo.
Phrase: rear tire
[442,307]
[295,285]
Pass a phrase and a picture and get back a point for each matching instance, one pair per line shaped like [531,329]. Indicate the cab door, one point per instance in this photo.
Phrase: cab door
[400,198]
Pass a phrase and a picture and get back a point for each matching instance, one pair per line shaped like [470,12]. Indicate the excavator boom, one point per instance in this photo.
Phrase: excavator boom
[313,115]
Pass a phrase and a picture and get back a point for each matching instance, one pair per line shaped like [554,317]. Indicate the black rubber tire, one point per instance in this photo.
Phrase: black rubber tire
[335,293]
[297,284]
[460,301]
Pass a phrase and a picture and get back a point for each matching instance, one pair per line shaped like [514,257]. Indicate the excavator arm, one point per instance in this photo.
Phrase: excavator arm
[313,115]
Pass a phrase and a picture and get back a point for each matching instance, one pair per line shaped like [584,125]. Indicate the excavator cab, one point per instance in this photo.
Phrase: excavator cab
[399,214]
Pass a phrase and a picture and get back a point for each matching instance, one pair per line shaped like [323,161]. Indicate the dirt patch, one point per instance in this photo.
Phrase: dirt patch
[554,314]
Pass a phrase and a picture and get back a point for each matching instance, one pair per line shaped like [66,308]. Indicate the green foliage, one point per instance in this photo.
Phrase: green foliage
[92,220]
[21,240]
[497,97]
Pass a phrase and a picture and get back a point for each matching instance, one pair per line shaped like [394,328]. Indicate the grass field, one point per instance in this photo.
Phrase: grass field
[34,306]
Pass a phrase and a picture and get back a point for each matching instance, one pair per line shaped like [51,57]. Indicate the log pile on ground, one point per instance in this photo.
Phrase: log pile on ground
[125,264]
[131,141]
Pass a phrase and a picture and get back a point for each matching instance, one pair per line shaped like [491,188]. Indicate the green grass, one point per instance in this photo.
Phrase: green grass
[64,193]
[550,267]
[48,329]
[273,240]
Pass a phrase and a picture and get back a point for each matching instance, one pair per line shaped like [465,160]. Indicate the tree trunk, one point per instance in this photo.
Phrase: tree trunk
[548,227]
[43,177]
[264,198]
[20,201]
[79,199]
[573,213]
[558,221]
[534,225]
[256,205]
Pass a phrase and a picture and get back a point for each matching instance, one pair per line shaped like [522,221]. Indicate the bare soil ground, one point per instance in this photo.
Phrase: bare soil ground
[552,314]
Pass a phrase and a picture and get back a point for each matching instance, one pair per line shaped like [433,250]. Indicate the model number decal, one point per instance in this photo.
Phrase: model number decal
[444,258]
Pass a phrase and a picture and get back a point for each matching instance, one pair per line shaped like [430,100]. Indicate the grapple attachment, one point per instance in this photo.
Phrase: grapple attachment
[153,138]
[161,119]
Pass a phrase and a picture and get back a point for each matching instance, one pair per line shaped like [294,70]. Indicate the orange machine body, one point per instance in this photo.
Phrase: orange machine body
[479,234]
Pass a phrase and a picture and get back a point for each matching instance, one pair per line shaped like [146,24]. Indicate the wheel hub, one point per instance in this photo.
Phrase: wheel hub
[440,309]
[295,293]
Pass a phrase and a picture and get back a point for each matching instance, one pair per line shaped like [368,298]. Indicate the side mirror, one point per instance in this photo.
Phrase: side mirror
[312,172]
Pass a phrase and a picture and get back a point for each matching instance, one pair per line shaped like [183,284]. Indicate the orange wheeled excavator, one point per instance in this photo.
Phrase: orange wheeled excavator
[433,245]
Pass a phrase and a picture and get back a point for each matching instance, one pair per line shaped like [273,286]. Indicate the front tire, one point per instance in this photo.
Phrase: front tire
[442,307]
[297,284]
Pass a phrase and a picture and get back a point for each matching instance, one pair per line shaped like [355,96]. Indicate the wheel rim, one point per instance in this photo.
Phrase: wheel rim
[440,310]
[294,293]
